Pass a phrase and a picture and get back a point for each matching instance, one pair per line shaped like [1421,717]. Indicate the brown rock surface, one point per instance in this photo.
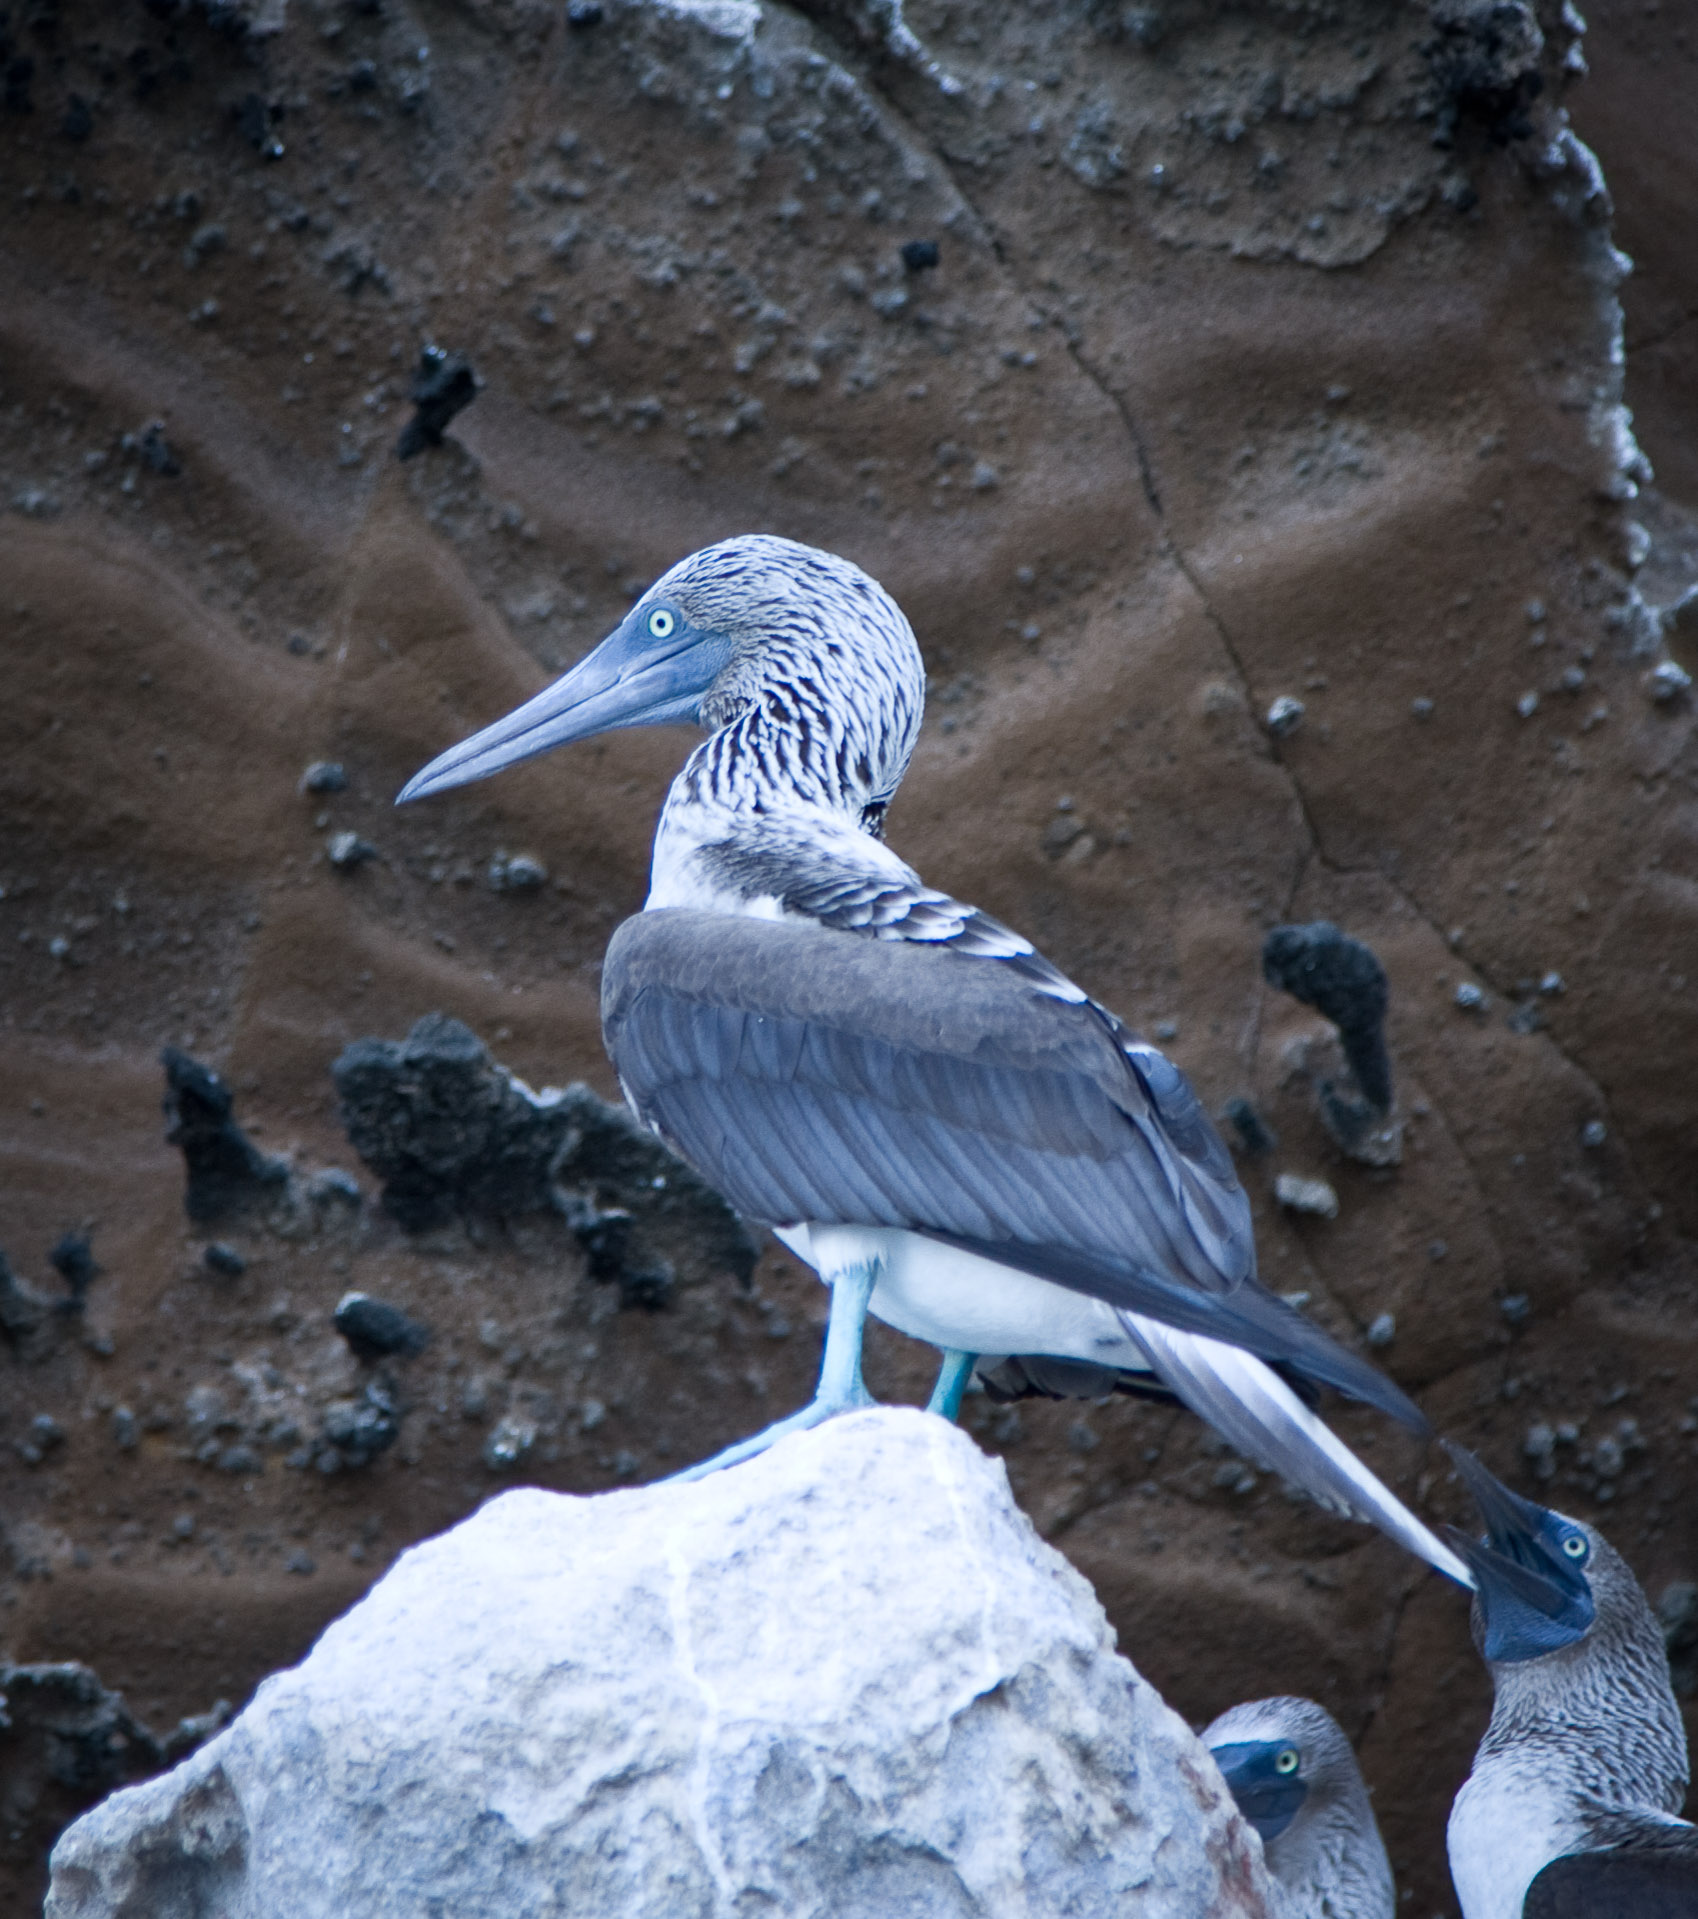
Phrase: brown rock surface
[1315,411]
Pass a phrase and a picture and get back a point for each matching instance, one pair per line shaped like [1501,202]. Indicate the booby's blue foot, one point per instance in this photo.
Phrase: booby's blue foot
[840,1389]
[952,1380]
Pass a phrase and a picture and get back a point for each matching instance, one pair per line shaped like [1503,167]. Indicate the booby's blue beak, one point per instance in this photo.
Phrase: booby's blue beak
[1529,1571]
[1265,1777]
[651,670]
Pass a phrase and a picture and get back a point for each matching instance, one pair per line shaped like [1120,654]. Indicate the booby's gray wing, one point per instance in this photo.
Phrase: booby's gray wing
[897,1082]
[1653,1875]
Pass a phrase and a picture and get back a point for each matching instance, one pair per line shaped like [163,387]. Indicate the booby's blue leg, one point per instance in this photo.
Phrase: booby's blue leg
[952,1380]
[840,1389]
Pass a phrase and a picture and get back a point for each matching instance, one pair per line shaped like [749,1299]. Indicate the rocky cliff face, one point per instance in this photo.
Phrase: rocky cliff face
[1231,397]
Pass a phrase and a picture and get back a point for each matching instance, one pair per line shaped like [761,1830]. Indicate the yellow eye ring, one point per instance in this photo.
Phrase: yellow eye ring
[662,622]
[1286,1761]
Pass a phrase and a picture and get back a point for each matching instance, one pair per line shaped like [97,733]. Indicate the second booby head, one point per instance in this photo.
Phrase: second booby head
[1296,1780]
[1571,1807]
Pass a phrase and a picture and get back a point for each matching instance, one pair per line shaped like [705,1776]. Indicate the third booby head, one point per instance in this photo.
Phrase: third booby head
[1571,1805]
[1295,1778]
[954,1134]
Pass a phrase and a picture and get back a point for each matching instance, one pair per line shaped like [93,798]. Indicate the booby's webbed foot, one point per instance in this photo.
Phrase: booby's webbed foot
[952,1378]
[840,1389]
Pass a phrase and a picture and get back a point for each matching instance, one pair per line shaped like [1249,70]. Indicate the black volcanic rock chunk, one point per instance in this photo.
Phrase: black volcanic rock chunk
[23,1312]
[453,1135]
[73,1260]
[227,1172]
[1345,983]
[443,386]
[376,1330]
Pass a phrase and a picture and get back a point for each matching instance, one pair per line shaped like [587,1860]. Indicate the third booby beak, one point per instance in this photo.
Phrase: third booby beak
[1529,1571]
[651,670]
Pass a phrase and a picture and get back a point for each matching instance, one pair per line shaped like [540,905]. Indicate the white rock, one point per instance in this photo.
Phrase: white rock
[845,1679]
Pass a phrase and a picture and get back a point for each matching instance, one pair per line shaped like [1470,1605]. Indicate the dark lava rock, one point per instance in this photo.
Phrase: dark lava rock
[1484,61]
[66,1741]
[73,1260]
[1345,983]
[325,776]
[23,1311]
[255,117]
[453,1135]
[443,386]
[376,1330]
[29,1320]
[1255,1136]
[357,1430]
[155,451]
[227,1172]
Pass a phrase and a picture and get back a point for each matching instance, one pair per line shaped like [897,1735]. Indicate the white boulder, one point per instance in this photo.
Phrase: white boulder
[846,1679]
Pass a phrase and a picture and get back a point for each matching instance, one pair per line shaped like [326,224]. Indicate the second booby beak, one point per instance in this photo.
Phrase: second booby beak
[1264,1778]
[651,670]
[1529,1572]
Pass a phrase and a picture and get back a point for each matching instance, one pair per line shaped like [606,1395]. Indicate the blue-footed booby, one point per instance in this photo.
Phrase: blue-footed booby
[1571,1807]
[1296,1781]
[954,1135]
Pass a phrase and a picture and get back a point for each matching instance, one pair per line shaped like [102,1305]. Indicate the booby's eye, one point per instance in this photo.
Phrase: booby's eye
[1285,1761]
[662,622]
[1575,1546]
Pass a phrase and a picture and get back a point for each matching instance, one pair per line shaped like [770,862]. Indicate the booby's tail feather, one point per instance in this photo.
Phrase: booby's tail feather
[1253,1409]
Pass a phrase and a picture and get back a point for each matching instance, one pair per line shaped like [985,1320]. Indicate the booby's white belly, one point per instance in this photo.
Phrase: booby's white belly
[957,1299]
[1506,1826]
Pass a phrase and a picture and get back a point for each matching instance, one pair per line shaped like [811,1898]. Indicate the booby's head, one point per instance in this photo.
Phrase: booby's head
[1533,1572]
[1295,1778]
[800,646]
[1278,1755]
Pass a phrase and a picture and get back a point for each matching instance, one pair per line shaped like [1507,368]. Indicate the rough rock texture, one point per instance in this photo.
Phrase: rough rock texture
[846,1679]
[451,1134]
[68,1739]
[1319,411]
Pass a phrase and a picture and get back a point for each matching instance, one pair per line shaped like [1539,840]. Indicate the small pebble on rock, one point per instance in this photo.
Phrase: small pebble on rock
[1470,998]
[1422,708]
[374,1329]
[516,873]
[1516,1308]
[1667,680]
[444,384]
[223,1259]
[1594,1133]
[1285,716]
[1299,1195]
[1382,1329]
[918,255]
[1254,1133]
[509,1441]
[324,776]
[345,851]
